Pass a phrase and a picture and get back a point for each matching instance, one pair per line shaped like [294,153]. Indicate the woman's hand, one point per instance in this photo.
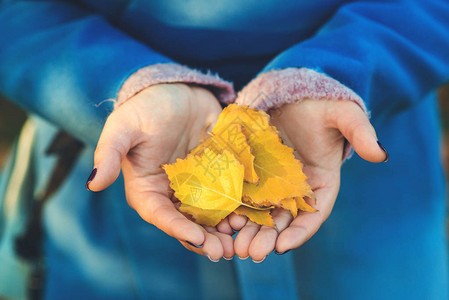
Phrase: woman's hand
[157,126]
[317,131]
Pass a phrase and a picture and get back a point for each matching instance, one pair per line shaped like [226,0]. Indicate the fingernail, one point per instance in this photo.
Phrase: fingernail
[280,253]
[384,150]
[194,245]
[228,258]
[243,258]
[91,177]
[259,261]
[212,260]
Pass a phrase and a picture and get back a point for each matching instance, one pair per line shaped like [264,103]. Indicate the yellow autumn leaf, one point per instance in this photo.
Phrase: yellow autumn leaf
[209,180]
[280,173]
[303,205]
[253,120]
[242,146]
[290,204]
[296,203]
[261,217]
[208,217]
[231,138]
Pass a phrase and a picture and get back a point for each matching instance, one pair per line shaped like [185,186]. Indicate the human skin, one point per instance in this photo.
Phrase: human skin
[164,122]
[155,127]
[317,131]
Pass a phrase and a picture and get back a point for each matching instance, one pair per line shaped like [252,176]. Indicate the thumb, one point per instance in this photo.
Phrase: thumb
[113,146]
[357,129]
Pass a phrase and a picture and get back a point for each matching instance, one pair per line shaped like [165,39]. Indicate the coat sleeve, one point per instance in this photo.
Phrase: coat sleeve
[60,61]
[391,53]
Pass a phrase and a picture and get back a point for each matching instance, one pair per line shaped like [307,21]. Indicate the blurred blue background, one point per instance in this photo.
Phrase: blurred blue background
[12,118]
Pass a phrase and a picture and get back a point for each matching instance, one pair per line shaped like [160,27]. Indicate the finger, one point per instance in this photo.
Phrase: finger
[158,210]
[224,227]
[226,240]
[237,221]
[356,128]
[265,240]
[306,224]
[263,243]
[194,248]
[212,247]
[244,239]
[300,231]
[114,143]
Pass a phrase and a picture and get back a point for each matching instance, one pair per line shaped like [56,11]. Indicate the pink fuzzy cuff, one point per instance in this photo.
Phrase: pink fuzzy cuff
[275,88]
[174,73]
[272,89]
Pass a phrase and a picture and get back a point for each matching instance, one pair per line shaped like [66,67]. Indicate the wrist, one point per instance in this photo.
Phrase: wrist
[275,88]
[174,74]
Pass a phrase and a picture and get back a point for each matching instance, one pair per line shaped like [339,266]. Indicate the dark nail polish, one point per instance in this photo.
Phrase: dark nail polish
[384,150]
[91,177]
[192,244]
[280,253]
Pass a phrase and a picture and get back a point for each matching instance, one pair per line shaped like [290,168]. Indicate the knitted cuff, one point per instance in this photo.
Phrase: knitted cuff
[272,89]
[174,73]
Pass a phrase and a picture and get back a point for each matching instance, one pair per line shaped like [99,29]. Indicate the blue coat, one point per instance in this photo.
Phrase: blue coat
[386,236]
